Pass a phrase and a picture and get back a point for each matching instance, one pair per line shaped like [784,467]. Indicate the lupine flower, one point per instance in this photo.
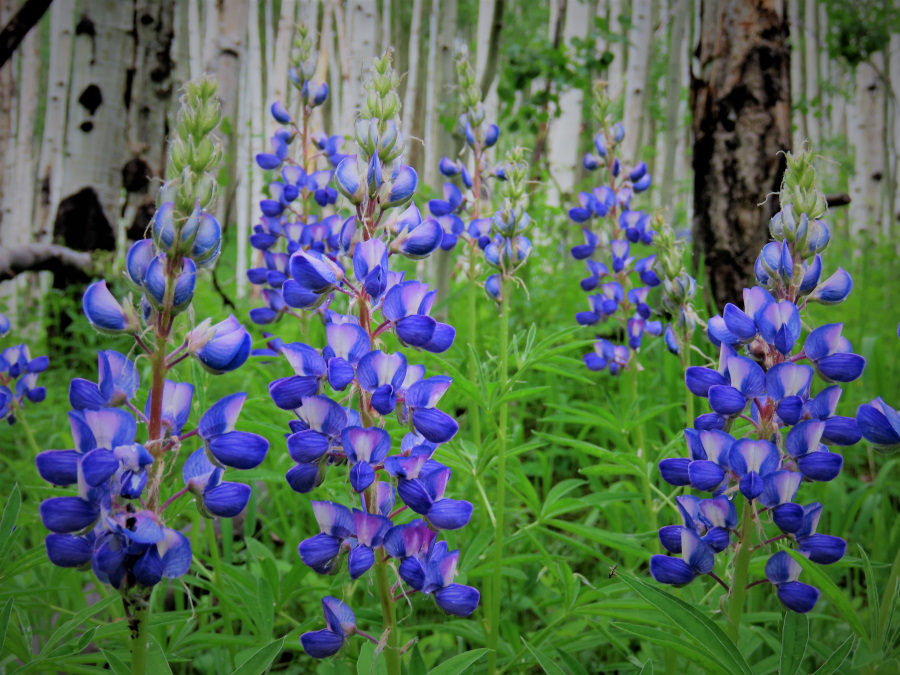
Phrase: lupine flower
[759,378]
[115,521]
[19,371]
[354,258]
[621,226]
[341,625]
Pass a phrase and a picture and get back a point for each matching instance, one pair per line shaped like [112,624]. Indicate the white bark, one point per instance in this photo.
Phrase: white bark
[485,22]
[385,24]
[811,82]
[894,70]
[865,128]
[798,119]
[280,52]
[825,71]
[617,47]
[346,111]
[96,147]
[675,78]
[362,32]
[430,98]
[636,77]
[50,167]
[244,199]
[566,129]
[409,101]
[210,31]
[195,47]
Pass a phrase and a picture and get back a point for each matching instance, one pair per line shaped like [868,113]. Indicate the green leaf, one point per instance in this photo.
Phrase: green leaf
[794,637]
[833,662]
[417,663]
[546,664]
[694,624]
[458,663]
[259,661]
[4,622]
[86,638]
[672,641]
[63,631]
[266,607]
[823,582]
[116,665]
[8,522]
[369,662]
[156,657]
[647,668]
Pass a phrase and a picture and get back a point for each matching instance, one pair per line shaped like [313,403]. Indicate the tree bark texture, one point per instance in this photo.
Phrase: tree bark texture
[740,99]
[19,25]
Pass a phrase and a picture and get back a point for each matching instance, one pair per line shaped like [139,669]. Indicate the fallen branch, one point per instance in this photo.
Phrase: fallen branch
[43,257]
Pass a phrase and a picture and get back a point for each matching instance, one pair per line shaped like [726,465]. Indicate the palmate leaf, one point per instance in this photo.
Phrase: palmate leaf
[693,623]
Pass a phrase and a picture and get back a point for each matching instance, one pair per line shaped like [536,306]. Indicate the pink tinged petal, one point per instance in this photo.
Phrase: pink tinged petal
[222,416]
[823,341]
[348,341]
[717,446]
[175,551]
[324,415]
[747,376]
[781,568]
[370,528]
[197,470]
[111,427]
[780,488]
[427,393]
[370,445]
[338,616]
[333,519]
[804,438]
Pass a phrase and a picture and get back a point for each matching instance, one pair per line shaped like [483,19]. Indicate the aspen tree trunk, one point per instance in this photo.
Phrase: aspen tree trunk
[346,96]
[565,130]
[225,63]
[811,61]
[280,55]
[96,135]
[798,117]
[324,66]
[653,89]
[50,164]
[211,9]
[8,110]
[412,75]
[385,24]
[335,72]
[444,142]
[363,33]
[430,136]
[243,142]
[151,98]
[489,51]
[740,96]
[894,189]
[195,46]
[636,78]
[865,122]
[674,77]
[617,47]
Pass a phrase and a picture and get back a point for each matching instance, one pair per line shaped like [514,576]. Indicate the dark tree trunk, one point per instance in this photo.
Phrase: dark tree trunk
[740,98]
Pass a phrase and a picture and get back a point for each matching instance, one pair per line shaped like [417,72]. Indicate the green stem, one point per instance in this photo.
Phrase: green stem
[741,568]
[474,410]
[888,599]
[643,452]
[389,614]
[494,622]
[685,357]
[140,639]
[29,435]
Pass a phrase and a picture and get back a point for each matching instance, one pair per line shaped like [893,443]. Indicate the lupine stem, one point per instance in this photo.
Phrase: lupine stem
[685,356]
[741,568]
[638,438]
[389,614]
[140,639]
[497,580]
[29,435]
[474,411]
